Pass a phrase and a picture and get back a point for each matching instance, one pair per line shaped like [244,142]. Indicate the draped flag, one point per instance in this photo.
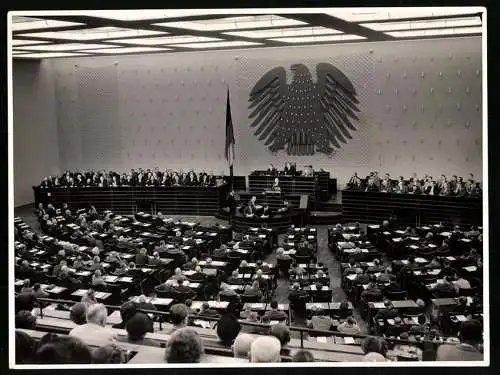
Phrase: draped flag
[229,133]
[229,141]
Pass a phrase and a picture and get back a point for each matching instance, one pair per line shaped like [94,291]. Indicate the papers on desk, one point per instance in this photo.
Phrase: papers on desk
[56,290]
[470,268]
[461,318]
[386,233]
[189,272]
[420,260]
[110,278]
[313,287]
[101,295]
[212,234]
[186,247]
[374,226]
[19,283]
[321,339]
[413,247]
[399,231]
[451,258]
[404,261]
[398,239]
[79,292]
[310,237]
[432,246]
[262,236]
[445,234]
[257,305]
[202,323]
[83,273]
[469,300]
[415,238]
[146,270]
[425,228]
[465,240]
[378,305]
[390,321]
[349,340]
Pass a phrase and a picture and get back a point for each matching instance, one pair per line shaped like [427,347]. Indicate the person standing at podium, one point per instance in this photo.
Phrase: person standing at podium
[276,185]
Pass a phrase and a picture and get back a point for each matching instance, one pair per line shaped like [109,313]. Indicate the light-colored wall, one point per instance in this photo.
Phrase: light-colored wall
[35,139]
[420,107]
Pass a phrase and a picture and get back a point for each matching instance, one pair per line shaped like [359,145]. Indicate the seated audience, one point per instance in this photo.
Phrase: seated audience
[468,349]
[207,311]
[62,350]
[373,344]
[178,316]
[349,326]
[24,319]
[78,313]
[242,344]
[137,327]
[388,312]
[108,354]
[303,356]
[25,348]
[319,320]
[89,297]
[228,328]
[95,326]
[184,346]
[274,313]
[281,332]
[265,349]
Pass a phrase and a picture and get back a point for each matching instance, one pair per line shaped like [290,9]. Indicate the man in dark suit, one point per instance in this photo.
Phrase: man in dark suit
[184,289]
[388,312]
[234,279]
[220,253]
[198,276]
[274,313]
[141,257]
[272,170]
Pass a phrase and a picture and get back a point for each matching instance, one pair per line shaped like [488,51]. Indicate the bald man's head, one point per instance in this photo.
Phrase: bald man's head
[242,345]
[265,349]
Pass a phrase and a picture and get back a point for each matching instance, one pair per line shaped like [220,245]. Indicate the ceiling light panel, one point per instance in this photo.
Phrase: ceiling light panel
[458,31]
[50,54]
[323,38]
[144,14]
[98,33]
[295,31]
[65,47]
[27,23]
[128,50]
[379,14]
[165,40]
[217,44]
[20,42]
[235,23]
[428,24]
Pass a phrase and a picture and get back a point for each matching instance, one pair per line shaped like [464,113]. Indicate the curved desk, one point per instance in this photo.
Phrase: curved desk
[280,223]
[124,200]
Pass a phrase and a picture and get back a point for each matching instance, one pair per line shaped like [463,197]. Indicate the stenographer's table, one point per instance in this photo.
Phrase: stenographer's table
[410,208]
[180,200]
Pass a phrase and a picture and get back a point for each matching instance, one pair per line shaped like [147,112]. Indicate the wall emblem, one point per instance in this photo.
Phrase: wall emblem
[304,117]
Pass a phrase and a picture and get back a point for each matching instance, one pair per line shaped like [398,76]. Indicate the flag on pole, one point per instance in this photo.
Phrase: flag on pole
[229,134]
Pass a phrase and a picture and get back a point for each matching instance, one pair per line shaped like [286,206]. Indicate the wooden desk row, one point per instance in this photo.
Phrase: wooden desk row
[409,208]
[180,200]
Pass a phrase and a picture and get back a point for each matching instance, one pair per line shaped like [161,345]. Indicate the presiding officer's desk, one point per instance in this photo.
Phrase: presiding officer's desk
[259,181]
[374,207]
[180,200]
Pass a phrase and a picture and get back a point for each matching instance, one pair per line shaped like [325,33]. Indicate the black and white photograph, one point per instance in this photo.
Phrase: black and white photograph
[250,187]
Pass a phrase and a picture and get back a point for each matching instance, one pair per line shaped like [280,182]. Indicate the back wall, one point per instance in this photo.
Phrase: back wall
[420,105]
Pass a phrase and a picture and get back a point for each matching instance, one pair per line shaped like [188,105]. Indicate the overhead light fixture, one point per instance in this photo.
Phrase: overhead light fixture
[145,14]
[217,44]
[324,38]
[98,33]
[379,14]
[165,40]
[28,23]
[427,24]
[235,23]
[128,50]
[295,31]
[65,47]
[50,55]
[457,31]
[20,42]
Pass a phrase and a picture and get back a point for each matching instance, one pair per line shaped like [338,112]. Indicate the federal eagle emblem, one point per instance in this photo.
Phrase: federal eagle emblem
[304,117]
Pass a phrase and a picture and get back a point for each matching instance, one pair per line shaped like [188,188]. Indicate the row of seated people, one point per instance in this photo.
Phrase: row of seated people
[90,329]
[133,178]
[454,186]
[368,280]
[253,208]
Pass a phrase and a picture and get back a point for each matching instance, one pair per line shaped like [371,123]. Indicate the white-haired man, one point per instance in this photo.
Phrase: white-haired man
[265,349]
[95,326]
[242,345]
